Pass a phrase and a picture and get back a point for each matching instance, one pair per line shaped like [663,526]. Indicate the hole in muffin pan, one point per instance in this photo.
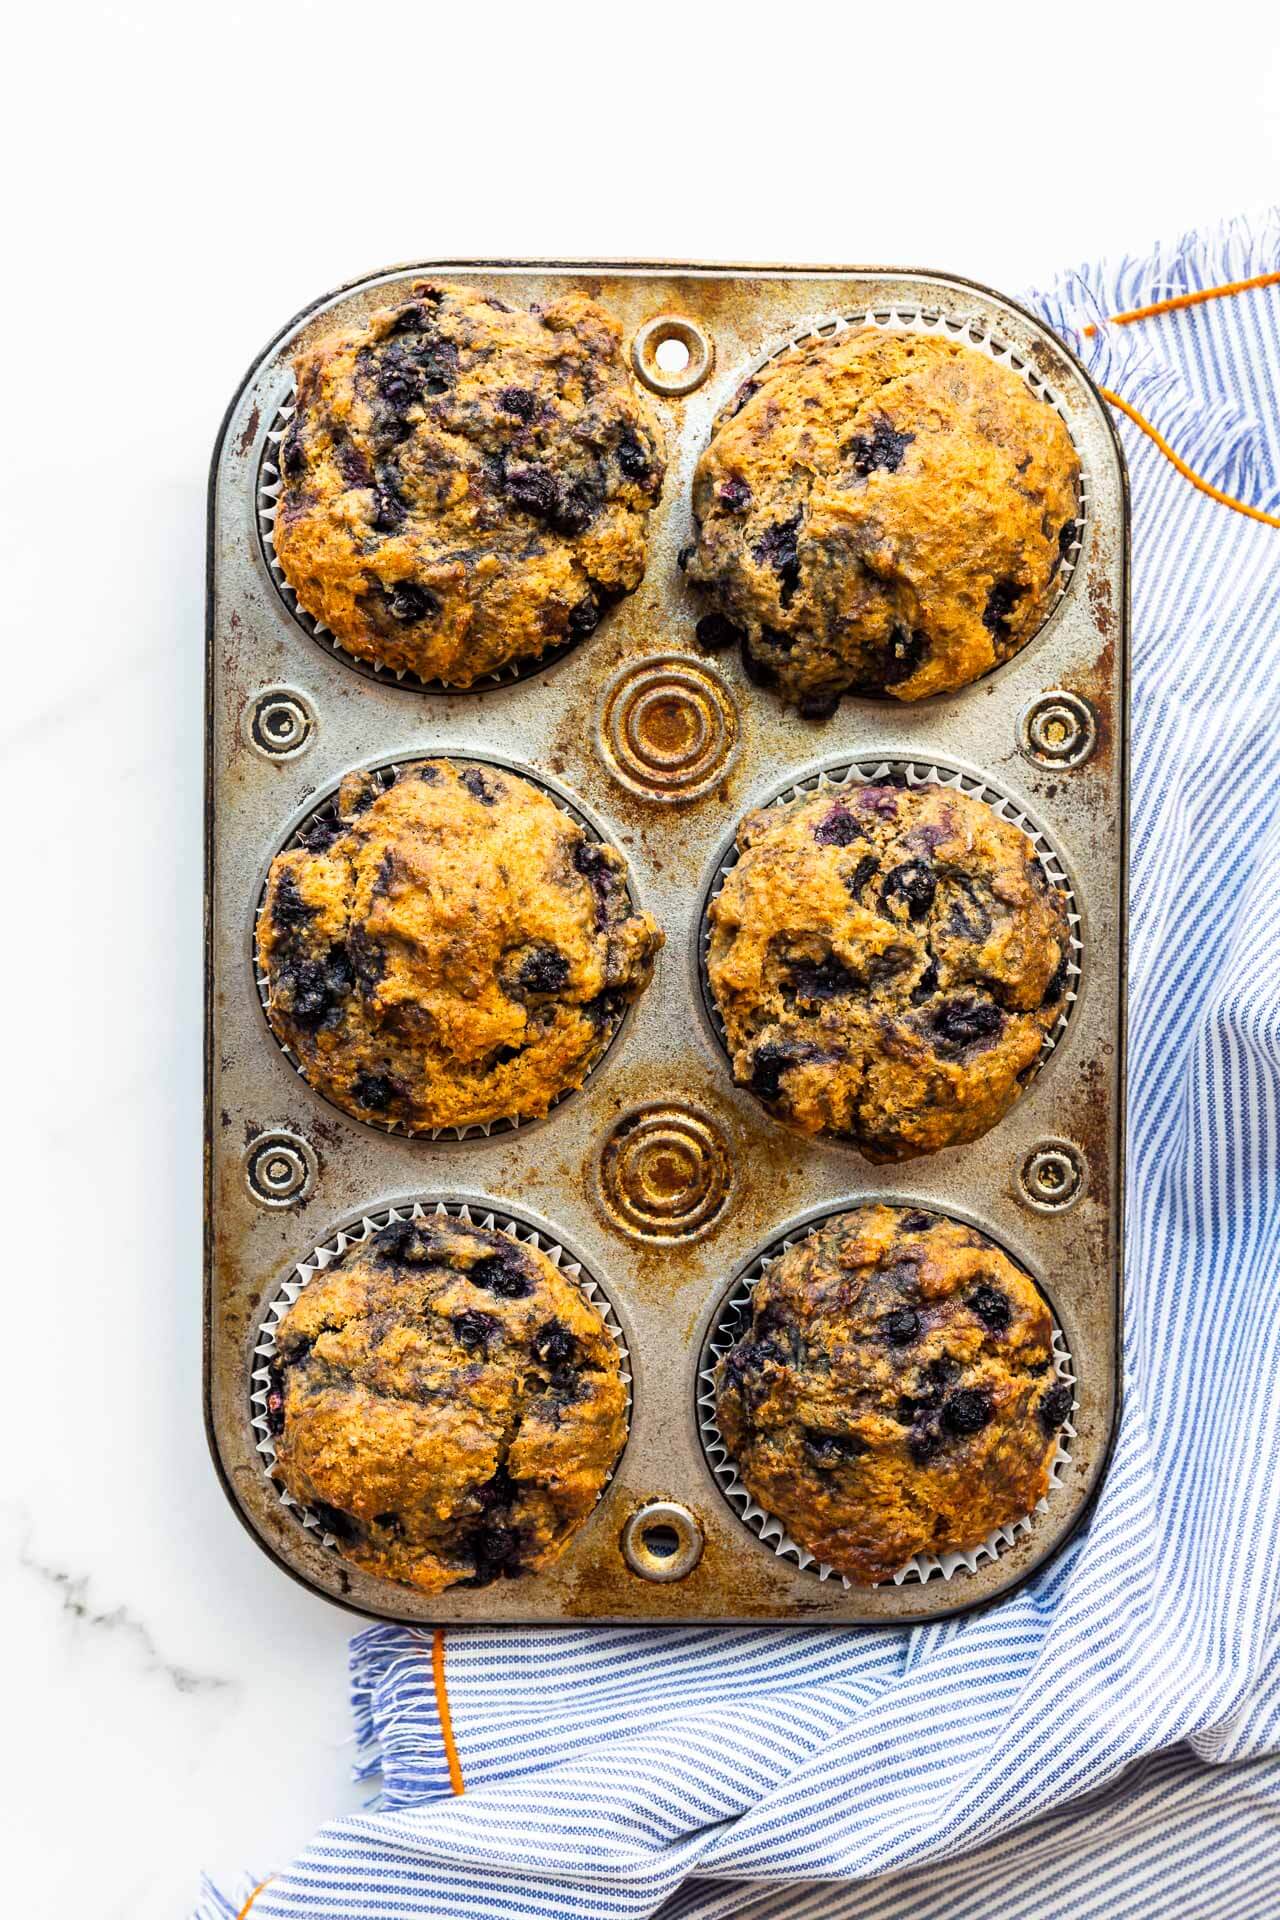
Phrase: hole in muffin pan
[1057,729]
[325,808]
[662,1542]
[1052,1177]
[903,771]
[473,1213]
[672,355]
[733,1315]
[910,319]
[279,723]
[280,1168]
[266,502]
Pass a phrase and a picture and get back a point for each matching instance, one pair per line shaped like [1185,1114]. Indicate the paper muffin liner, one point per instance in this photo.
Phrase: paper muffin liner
[975,331]
[270,485]
[733,1318]
[473,1214]
[904,771]
[326,808]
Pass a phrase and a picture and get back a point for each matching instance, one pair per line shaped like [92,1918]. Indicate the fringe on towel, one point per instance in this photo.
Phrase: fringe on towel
[397,1723]
[216,1905]
[1236,450]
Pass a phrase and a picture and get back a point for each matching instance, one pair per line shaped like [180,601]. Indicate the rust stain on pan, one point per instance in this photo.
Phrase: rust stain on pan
[250,433]
[1097,684]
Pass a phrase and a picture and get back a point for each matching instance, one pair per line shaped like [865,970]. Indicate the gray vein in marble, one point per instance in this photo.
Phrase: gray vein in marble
[73,1591]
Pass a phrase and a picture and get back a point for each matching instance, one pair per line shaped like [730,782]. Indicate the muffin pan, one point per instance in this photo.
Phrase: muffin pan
[660,1179]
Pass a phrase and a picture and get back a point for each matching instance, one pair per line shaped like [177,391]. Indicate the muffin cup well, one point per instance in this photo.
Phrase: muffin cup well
[325,808]
[266,502]
[324,1256]
[973,332]
[843,776]
[732,1318]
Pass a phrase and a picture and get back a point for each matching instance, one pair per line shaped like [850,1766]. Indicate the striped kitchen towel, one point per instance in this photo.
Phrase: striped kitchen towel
[1106,1741]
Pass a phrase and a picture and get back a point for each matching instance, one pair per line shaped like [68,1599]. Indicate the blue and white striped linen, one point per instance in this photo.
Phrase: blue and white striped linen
[1106,1741]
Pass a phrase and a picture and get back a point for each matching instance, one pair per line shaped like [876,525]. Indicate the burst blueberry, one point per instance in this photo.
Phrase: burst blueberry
[967,1411]
[1055,1407]
[965,1023]
[901,1326]
[992,1307]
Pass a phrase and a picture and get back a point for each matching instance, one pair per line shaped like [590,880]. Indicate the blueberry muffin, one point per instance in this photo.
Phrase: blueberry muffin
[883,513]
[887,962]
[466,484]
[894,1393]
[446,1403]
[450,950]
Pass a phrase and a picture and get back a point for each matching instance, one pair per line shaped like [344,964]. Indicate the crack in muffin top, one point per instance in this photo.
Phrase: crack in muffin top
[883,513]
[894,1393]
[447,1403]
[465,484]
[449,951]
[887,962]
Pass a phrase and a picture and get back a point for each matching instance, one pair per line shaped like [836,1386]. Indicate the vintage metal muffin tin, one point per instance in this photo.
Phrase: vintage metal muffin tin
[662,1179]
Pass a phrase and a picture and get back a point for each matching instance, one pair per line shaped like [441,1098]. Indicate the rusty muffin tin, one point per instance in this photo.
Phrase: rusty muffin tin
[662,1180]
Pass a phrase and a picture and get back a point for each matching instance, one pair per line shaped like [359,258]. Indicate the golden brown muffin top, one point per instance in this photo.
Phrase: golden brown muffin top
[895,1392]
[447,1403]
[882,513]
[466,484]
[887,962]
[449,952]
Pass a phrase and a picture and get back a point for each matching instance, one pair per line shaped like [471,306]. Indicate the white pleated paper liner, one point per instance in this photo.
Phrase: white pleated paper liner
[733,1319]
[846,776]
[270,485]
[975,331]
[490,1220]
[325,812]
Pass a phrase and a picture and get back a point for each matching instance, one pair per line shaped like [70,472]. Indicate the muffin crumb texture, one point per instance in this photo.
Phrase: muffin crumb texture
[883,513]
[466,484]
[895,1392]
[887,962]
[451,950]
[447,1404]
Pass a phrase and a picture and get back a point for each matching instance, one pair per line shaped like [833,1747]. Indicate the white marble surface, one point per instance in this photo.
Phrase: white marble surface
[181,180]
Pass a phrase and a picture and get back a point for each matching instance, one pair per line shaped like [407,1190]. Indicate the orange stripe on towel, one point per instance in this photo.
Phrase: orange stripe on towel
[1172,305]
[1178,300]
[1197,480]
[253,1896]
[442,1709]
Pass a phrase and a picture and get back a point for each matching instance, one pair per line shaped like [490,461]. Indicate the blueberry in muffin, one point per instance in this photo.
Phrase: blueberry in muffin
[450,950]
[447,1403]
[466,484]
[881,513]
[894,1393]
[886,962]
